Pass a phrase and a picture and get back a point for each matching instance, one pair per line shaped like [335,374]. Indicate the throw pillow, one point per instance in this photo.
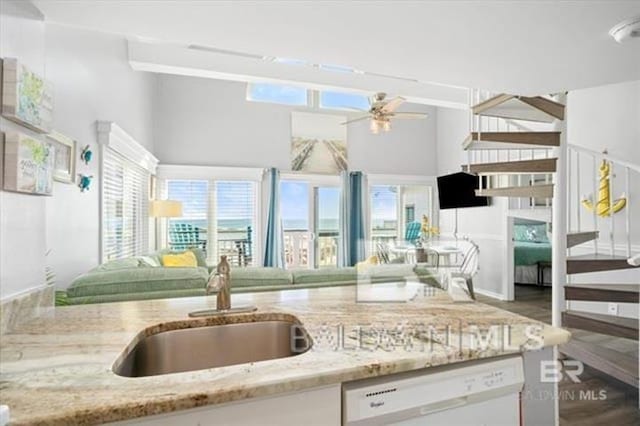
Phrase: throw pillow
[148,262]
[186,259]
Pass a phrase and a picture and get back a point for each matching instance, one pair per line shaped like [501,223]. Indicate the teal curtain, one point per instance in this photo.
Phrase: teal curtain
[274,244]
[356,229]
[343,248]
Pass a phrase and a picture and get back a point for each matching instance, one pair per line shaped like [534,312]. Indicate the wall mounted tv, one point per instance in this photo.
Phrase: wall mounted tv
[458,190]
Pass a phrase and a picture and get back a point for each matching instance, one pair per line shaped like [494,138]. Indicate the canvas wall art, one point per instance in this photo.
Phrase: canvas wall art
[64,165]
[27,98]
[318,143]
[28,164]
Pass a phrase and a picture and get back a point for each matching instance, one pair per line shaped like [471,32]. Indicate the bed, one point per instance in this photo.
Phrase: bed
[532,253]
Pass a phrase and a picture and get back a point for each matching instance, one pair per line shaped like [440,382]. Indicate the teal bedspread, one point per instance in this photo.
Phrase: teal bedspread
[530,253]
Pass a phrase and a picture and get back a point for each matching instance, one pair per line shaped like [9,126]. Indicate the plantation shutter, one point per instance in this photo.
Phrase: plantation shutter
[125,207]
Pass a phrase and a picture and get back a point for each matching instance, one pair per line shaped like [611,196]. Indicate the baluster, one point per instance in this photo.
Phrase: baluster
[520,179]
[612,223]
[595,200]
[578,194]
[627,213]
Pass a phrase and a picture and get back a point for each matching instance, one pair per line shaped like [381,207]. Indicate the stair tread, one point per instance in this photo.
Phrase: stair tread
[576,238]
[631,323]
[511,140]
[544,165]
[608,287]
[535,108]
[596,262]
[622,366]
[531,191]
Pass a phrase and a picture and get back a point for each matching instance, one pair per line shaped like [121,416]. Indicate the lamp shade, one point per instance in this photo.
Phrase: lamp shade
[165,208]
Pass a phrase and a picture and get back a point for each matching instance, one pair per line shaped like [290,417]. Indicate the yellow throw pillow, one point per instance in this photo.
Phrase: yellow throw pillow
[186,259]
[365,264]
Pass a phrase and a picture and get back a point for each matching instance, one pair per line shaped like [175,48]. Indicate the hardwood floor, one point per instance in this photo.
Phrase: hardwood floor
[619,407]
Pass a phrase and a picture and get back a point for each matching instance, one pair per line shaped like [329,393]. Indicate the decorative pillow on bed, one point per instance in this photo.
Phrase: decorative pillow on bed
[531,233]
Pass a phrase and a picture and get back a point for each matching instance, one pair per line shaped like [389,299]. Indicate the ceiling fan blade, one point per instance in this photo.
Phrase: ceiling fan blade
[364,117]
[393,104]
[417,115]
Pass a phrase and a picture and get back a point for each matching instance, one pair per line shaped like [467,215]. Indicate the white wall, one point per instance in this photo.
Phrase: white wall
[22,217]
[92,81]
[484,225]
[209,122]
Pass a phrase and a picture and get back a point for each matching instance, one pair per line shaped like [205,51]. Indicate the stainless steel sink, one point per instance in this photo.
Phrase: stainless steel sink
[210,346]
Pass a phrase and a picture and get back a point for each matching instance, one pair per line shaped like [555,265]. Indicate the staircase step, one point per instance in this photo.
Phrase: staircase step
[547,165]
[577,238]
[533,191]
[541,214]
[613,363]
[534,108]
[616,293]
[596,263]
[511,140]
[603,324]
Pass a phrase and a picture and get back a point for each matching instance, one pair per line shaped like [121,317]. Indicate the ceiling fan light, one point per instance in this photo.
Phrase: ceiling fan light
[386,125]
[375,127]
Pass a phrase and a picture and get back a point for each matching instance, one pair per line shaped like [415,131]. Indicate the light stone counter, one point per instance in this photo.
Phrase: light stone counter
[57,370]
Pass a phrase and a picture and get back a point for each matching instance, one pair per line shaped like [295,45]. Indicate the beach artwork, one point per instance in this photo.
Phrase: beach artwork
[27,98]
[28,164]
[318,143]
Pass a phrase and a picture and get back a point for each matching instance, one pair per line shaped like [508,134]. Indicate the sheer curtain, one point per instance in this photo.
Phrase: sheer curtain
[274,244]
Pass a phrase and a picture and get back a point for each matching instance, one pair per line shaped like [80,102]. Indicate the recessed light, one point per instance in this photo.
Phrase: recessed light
[626,29]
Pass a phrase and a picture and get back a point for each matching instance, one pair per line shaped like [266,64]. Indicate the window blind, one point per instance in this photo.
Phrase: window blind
[218,216]
[125,207]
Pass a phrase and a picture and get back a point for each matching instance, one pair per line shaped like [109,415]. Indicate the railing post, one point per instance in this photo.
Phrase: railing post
[559,231]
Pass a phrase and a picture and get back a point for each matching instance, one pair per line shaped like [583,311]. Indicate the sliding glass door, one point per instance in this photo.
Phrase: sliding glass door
[310,221]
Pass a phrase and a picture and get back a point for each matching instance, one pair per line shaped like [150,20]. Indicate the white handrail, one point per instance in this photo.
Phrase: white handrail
[632,166]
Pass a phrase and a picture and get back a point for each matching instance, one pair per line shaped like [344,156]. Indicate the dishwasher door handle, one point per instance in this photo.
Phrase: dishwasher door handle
[442,405]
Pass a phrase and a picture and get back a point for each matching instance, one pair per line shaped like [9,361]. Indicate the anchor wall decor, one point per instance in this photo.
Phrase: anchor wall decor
[604,207]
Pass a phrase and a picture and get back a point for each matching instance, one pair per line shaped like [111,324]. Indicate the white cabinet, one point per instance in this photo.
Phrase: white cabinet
[314,407]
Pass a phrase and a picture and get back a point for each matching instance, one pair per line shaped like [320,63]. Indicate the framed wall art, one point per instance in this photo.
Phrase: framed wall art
[318,143]
[28,164]
[27,98]
[64,165]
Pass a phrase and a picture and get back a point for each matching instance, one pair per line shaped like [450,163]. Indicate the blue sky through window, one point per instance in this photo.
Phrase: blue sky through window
[341,100]
[278,93]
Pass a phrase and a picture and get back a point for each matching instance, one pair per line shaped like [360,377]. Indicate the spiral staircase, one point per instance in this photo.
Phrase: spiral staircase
[517,145]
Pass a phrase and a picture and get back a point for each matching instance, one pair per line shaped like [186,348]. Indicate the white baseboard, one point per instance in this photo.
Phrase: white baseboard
[490,293]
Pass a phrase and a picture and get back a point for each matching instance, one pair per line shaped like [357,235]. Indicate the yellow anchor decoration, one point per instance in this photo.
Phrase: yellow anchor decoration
[603,207]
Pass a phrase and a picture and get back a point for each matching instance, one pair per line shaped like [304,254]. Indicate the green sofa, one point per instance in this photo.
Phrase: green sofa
[144,278]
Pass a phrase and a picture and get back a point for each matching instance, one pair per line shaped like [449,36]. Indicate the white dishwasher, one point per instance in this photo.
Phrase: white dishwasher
[477,393]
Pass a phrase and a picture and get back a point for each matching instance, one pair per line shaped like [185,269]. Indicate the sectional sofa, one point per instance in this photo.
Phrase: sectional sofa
[144,277]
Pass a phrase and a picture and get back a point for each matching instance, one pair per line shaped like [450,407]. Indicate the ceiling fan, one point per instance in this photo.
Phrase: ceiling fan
[382,111]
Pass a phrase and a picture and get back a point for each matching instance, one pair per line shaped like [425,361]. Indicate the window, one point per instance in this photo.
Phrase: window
[298,96]
[384,212]
[218,211]
[235,216]
[341,100]
[277,93]
[190,230]
[393,207]
[125,207]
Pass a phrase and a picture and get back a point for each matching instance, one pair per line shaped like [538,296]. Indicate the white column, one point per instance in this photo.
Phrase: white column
[559,232]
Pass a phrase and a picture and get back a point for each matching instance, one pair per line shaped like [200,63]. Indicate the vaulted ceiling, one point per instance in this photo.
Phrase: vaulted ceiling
[527,47]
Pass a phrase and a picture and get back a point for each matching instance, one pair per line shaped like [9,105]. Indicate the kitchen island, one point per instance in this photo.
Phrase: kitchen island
[58,370]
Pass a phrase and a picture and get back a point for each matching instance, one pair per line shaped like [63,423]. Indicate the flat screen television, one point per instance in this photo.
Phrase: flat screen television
[458,190]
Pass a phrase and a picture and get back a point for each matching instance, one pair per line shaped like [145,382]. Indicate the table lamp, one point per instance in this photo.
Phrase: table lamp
[163,209]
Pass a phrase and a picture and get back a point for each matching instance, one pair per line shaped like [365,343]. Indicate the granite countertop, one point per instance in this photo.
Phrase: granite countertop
[57,370]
